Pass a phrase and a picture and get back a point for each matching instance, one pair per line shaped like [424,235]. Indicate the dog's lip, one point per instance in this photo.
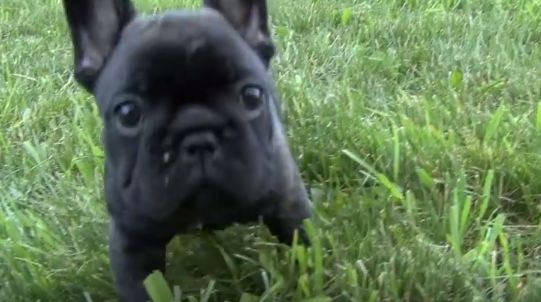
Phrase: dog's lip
[201,171]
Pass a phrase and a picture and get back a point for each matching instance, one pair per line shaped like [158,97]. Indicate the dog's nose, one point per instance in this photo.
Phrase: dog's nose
[199,146]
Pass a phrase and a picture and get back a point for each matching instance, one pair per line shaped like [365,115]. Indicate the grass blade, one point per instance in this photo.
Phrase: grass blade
[157,288]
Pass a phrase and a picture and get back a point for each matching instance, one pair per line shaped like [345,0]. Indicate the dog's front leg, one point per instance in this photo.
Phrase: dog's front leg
[132,261]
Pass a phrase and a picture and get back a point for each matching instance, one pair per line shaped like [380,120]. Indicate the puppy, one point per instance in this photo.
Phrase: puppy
[192,132]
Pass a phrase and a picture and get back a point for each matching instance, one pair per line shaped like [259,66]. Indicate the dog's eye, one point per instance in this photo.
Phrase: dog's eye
[252,97]
[128,114]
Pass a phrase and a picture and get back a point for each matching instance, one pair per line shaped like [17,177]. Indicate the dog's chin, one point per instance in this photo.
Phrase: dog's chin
[207,195]
[213,189]
[197,190]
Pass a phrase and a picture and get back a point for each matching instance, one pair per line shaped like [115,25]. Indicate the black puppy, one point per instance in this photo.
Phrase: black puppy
[192,133]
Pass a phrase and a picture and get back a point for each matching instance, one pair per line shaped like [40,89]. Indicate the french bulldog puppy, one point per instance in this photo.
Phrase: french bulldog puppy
[192,132]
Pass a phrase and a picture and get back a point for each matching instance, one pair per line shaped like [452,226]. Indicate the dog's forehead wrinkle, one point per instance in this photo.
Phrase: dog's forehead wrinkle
[167,68]
[183,36]
[181,26]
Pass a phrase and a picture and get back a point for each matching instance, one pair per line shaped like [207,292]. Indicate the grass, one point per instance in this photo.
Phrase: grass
[417,125]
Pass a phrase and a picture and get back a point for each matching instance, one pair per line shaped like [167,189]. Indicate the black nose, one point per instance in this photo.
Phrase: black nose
[199,146]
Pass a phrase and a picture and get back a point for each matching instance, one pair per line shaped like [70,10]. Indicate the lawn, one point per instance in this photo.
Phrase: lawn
[417,125]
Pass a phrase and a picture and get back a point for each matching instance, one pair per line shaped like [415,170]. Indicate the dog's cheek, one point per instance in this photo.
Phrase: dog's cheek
[256,170]
[155,194]
[113,198]
[264,129]
[121,156]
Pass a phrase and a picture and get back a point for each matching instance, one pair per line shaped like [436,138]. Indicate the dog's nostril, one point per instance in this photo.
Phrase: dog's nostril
[203,148]
[200,144]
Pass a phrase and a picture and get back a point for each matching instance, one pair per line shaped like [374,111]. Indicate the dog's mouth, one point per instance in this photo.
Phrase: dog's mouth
[205,196]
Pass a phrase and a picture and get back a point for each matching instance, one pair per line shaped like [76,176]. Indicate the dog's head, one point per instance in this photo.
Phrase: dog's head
[187,102]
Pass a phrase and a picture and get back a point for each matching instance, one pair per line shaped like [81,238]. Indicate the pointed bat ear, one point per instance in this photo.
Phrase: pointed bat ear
[250,19]
[95,27]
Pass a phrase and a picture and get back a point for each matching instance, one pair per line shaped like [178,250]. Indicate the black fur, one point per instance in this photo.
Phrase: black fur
[182,150]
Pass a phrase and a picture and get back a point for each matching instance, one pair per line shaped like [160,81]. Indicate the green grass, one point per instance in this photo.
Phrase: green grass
[416,123]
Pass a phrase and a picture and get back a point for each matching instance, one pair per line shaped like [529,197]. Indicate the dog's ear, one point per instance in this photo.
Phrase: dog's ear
[95,27]
[250,19]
